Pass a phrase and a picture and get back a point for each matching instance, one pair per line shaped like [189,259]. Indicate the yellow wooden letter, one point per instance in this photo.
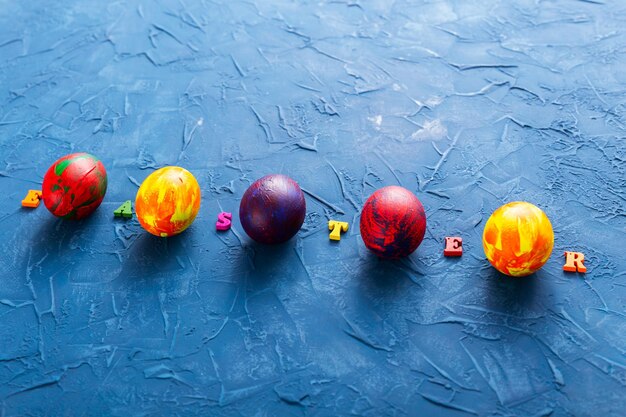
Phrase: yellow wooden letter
[336,228]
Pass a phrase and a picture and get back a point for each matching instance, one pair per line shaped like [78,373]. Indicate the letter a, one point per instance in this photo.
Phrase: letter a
[125,210]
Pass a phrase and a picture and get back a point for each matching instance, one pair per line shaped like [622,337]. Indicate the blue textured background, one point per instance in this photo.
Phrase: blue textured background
[469,104]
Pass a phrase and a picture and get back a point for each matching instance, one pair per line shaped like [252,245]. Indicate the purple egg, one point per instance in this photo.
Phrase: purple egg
[272,209]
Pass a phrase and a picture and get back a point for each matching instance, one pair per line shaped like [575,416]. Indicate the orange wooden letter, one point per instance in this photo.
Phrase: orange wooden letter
[33,199]
[574,262]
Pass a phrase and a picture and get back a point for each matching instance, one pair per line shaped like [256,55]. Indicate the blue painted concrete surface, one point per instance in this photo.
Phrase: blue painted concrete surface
[468,103]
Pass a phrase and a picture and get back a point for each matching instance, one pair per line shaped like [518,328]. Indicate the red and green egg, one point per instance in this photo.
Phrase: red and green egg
[74,186]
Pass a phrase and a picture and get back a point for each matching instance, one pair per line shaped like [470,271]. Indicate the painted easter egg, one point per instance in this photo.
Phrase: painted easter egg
[168,201]
[74,186]
[272,209]
[518,239]
[393,222]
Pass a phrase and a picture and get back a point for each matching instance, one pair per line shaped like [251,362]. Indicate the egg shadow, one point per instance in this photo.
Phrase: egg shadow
[268,262]
[384,277]
[153,256]
[55,235]
[512,295]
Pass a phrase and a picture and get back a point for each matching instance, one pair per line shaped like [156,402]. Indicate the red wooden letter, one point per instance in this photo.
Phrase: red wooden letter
[454,246]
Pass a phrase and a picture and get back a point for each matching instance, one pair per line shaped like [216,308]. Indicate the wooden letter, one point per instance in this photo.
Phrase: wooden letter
[336,228]
[32,199]
[223,221]
[574,262]
[454,246]
[125,210]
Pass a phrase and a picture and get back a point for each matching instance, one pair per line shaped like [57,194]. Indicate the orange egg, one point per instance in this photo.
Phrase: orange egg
[168,201]
[518,239]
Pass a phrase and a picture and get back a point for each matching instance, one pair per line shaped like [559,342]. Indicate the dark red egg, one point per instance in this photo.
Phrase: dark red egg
[272,209]
[74,186]
[393,222]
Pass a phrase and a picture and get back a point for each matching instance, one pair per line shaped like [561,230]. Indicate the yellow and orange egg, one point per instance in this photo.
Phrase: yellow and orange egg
[168,201]
[518,238]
